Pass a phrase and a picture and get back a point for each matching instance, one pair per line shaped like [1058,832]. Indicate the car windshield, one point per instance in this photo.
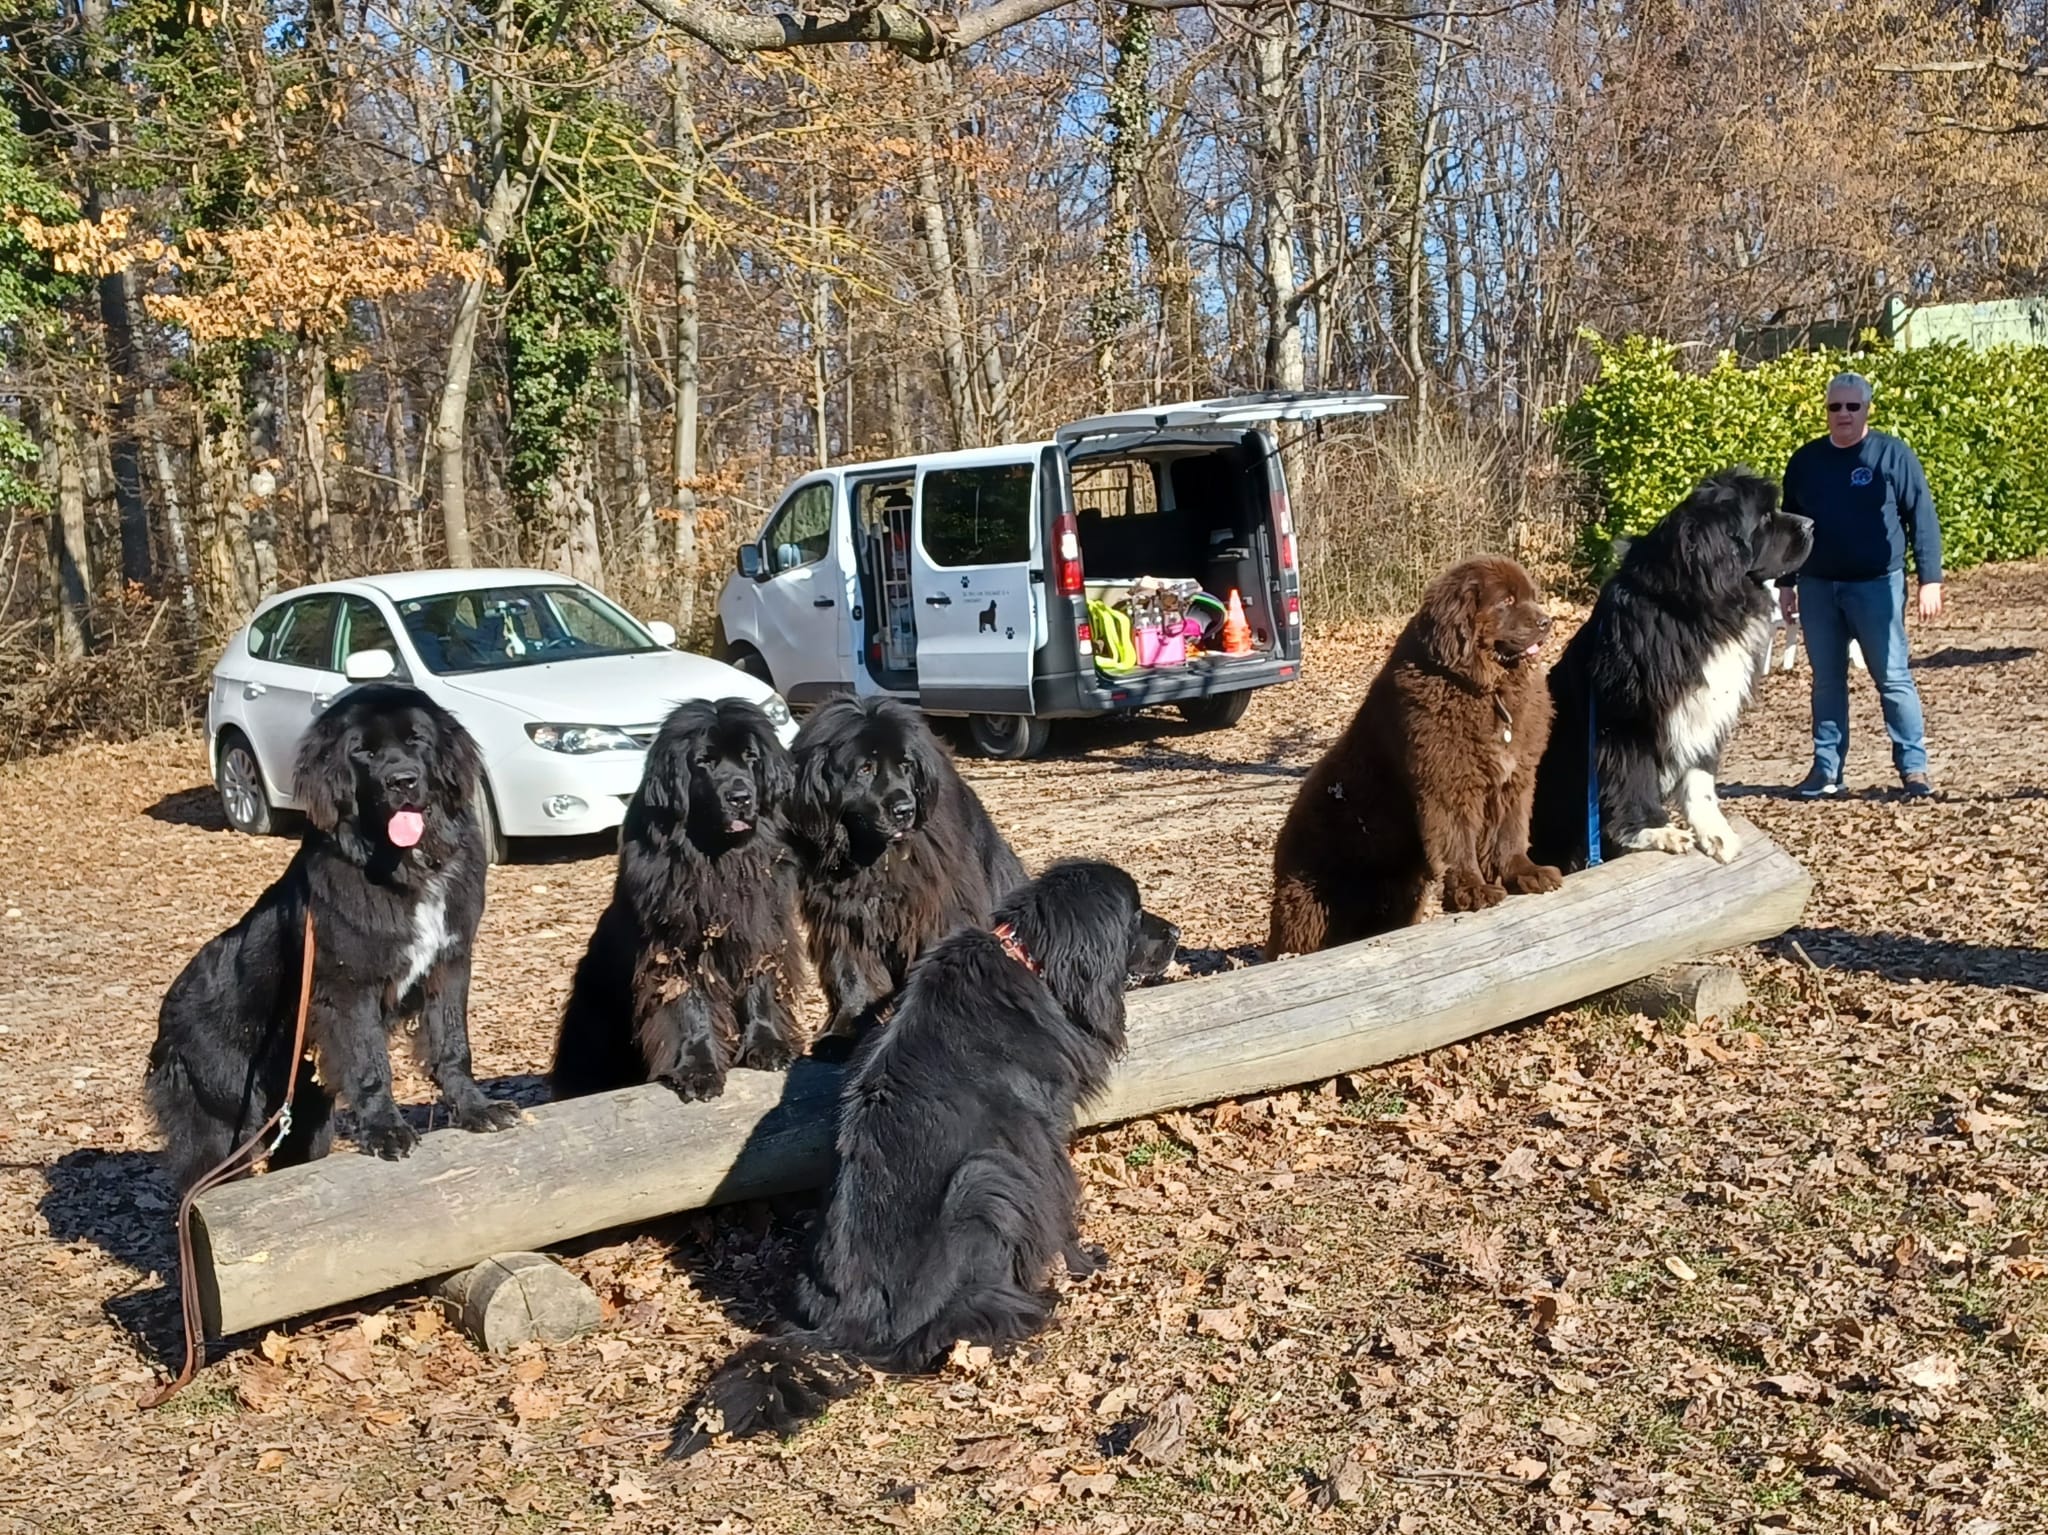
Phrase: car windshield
[498,627]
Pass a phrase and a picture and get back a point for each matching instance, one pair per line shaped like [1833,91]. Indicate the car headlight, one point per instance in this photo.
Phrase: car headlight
[581,740]
[776,710]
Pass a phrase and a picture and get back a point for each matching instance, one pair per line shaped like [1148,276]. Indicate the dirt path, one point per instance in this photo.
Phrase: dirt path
[1593,1275]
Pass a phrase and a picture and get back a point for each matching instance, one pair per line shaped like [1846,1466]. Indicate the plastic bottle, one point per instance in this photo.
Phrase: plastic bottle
[1145,625]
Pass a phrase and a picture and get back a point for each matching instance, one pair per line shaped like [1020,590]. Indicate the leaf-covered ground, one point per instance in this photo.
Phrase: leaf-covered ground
[1593,1273]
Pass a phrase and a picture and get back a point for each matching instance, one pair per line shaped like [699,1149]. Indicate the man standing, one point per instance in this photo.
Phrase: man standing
[1864,491]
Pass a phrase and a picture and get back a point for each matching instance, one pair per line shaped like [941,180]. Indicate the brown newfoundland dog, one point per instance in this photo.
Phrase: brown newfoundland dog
[1433,778]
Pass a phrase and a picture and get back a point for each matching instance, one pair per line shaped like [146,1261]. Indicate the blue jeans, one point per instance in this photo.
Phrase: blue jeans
[1873,613]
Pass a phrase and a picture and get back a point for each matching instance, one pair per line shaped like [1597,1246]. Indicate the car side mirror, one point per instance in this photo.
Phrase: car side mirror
[750,562]
[664,633]
[370,665]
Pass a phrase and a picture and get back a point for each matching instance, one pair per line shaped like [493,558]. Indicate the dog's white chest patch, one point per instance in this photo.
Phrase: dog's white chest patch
[1700,725]
[429,935]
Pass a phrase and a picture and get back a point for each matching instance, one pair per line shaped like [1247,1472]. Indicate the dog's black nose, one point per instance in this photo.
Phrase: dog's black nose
[401,782]
[740,801]
[900,807]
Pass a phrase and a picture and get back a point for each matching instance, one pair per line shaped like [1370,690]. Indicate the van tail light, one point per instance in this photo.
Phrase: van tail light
[1293,610]
[1283,528]
[1066,545]
[1084,639]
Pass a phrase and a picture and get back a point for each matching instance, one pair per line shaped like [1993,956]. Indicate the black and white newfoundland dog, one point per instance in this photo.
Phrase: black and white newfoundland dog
[1663,667]
[392,867]
[895,851]
[694,965]
[954,1194]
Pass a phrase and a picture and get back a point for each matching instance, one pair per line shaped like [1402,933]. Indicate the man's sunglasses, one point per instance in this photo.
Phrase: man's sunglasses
[1852,406]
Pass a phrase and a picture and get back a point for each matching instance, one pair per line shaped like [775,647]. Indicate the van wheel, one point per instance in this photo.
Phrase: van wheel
[1218,712]
[1008,737]
[745,658]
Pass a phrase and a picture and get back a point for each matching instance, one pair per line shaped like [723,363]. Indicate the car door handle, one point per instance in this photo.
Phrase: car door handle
[938,602]
[821,602]
[253,690]
[322,700]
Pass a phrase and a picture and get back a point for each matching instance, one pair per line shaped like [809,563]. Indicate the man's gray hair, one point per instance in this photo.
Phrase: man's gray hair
[1855,381]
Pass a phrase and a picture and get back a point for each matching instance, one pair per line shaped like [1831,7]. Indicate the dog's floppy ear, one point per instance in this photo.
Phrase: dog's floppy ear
[927,761]
[455,763]
[1451,611]
[665,780]
[774,775]
[324,776]
[1076,921]
[811,806]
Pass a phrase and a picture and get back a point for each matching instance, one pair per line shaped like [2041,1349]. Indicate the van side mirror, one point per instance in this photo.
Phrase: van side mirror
[369,665]
[664,633]
[750,561]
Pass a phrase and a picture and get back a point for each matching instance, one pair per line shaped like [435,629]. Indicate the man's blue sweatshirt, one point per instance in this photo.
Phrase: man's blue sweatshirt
[1861,500]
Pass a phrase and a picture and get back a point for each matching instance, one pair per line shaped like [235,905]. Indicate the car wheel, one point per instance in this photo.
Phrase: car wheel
[745,658]
[1218,712]
[497,849]
[240,782]
[1008,737]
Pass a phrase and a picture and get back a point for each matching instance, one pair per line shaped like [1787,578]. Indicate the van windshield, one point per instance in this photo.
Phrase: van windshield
[498,627]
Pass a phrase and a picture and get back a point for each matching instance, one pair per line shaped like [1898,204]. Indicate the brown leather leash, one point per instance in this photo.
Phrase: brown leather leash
[227,1167]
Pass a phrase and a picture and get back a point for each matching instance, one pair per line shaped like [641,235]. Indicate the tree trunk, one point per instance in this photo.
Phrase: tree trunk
[997,423]
[683,458]
[633,426]
[1126,115]
[821,319]
[572,521]
[936,246]
[1279,175]
[316,410]
[509,185]
[70,572]
[176,539]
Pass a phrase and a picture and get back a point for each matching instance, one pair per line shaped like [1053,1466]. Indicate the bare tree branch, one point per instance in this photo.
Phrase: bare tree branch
[2016,67]
[1996,130]
[924,36]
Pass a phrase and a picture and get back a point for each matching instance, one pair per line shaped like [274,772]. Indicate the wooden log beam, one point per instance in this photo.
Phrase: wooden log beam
[303,1238]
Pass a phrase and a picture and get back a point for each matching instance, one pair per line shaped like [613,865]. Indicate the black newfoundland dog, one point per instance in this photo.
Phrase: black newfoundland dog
[895,852]
[954,1193]
[1649,689]
[392,868]
[694,964]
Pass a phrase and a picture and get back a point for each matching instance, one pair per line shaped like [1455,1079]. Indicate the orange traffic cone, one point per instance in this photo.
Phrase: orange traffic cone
[1237,634]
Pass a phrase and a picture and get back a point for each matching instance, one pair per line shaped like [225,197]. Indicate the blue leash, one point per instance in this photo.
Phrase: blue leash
[1592,780]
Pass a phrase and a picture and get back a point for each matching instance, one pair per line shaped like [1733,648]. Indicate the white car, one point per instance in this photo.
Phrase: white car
[561,689]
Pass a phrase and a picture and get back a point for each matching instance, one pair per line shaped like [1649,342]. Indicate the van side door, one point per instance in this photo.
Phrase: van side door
[802,598]
[975,543]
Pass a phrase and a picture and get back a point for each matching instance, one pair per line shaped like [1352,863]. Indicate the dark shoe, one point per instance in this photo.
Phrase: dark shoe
[1817,785]
[1917,785]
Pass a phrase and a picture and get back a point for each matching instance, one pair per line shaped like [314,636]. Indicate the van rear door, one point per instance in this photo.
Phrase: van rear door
[1228,410]
[976,537]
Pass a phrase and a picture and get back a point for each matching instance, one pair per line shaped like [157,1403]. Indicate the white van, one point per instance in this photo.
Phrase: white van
[961,582]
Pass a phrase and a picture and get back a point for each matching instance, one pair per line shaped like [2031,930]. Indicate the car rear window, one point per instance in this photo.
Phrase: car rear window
[979,516]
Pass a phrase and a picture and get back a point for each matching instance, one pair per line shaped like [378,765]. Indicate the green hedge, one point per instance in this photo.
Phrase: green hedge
[1646,430]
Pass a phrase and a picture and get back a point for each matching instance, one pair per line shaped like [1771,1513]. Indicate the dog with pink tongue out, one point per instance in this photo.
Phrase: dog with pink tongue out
[391,869]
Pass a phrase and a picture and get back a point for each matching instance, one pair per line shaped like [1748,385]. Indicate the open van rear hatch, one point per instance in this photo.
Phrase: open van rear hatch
[1229,410]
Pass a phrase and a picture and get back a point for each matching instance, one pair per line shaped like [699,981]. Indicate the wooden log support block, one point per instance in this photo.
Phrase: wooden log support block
[1696,993]
[335,1230]
[515,1298]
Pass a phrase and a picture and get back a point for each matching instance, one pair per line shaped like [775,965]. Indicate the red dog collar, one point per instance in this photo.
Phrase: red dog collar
[1013,946]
